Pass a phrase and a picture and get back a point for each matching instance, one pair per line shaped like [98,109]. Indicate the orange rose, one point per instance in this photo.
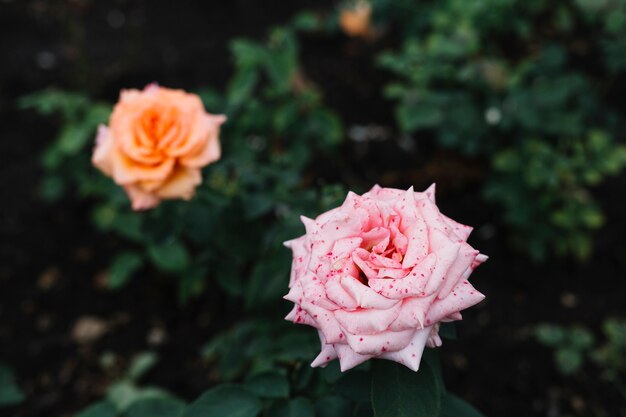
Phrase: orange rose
[157,141]
[355,20]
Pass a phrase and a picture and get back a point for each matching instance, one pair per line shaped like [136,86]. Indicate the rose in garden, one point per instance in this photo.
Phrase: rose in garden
[355,19]
[156,143]
[378,274]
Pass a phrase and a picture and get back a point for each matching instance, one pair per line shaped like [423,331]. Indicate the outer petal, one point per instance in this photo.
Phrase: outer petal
[411,355]
[462,297]
[211,151]
[181,184]
[327,354]
[140,199]
[103,152]
[348,358]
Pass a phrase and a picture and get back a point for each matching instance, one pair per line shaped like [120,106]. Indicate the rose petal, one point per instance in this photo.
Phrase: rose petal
[411,355]
[364,295]
[140,200]
[348,358]
[378,343]
[463,296]
[367,321]
[181,184]
[102,154]
[208,152]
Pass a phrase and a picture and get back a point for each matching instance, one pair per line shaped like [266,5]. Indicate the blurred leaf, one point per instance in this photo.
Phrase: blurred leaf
[269,384]
[141,364]
[170,257]
[241,86]
[225,400]
[550,335]
[416,117]
[124,394]
[123,268]
[296,407]
[399,392]
[333,406]
[569,361]
[268,280]
[355,386]
[453,406]
[52,188]
[156,407]
[10,393]
[99,409]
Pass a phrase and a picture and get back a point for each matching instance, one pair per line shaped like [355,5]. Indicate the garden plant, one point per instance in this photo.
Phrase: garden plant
[292,219]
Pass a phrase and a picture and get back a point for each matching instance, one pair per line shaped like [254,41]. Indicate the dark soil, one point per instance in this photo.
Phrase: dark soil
[51,260]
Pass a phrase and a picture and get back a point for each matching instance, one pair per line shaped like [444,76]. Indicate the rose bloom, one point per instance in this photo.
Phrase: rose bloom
[355,20]
[378,274]
[156,143]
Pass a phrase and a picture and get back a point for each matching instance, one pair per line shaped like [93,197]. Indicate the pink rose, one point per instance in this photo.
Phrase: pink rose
[378,274]
[157,141]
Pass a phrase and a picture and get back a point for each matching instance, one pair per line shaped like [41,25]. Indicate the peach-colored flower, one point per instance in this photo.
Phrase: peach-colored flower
[355,20]
[156,143]
[378,274]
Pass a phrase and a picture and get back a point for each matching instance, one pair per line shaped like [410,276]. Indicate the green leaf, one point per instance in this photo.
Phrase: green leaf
[550,334]
[415,117]
[333,406]
[569,361]
[269,384]
[297,407]
[156,407]
[453,406]
[124,394]
[268,280]
[241,86]
[355,385]
[223,401]
[74,137]
[431,357]
[123,268]
[247,54]
[10,394]
[399,392]
[52,188]
[141,364]
[99,409]
[170,257]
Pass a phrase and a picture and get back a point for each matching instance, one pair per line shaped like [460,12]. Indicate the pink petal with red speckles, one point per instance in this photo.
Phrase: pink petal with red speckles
[367,321]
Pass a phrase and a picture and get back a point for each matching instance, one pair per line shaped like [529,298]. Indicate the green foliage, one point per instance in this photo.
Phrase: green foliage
[570,345]
[281,129]
[611,355]
[399,392]
[543,188]
[122,269]
[496,79]
[453,406]
[227,400]
[573,345]
[10,393]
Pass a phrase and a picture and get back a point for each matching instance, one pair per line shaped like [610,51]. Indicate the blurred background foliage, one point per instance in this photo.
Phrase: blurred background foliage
[527,86]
